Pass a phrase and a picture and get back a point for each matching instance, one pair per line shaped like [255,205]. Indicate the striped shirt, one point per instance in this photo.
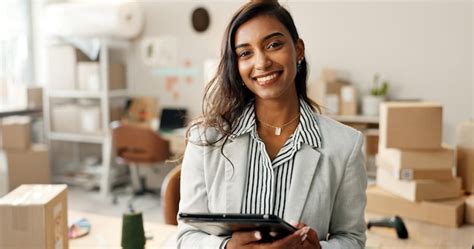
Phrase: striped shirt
[268,182]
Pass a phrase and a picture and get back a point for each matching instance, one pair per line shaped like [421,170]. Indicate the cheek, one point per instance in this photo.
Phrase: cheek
[244,69]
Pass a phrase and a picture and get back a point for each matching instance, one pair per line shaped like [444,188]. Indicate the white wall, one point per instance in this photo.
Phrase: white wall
[423,47]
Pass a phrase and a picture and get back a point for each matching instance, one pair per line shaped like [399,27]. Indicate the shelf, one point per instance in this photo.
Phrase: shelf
[73,137]
[356,119]
[87,94]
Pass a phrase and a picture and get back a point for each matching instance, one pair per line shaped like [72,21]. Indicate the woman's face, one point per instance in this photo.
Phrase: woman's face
[266,57]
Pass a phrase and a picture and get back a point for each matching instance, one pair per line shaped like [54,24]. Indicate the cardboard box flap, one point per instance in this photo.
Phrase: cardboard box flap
[32,194]
[443,158]
[16,120]
[413,104]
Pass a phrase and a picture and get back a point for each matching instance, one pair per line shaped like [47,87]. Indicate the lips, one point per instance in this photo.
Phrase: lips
[267,79]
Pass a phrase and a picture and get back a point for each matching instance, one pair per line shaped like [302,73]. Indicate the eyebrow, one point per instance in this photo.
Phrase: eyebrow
[264,39]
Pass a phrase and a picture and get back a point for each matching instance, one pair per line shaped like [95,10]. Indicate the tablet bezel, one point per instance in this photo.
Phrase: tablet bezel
[221,224]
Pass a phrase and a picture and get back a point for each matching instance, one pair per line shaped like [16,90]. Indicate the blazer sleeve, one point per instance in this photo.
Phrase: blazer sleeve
[347,227]
[194,197]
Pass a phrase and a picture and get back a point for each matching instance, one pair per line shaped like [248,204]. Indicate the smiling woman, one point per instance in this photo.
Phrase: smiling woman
[261,147]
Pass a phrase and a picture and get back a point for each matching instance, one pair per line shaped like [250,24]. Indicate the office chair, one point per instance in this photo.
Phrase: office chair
[170,195]
[138,146]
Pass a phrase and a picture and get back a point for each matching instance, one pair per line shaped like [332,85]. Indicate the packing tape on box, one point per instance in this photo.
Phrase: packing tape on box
[121,19]
[29,196]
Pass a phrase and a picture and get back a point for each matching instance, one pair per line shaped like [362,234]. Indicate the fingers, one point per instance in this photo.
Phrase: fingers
[290,241]
[243,238]
[303,233]
[312,236]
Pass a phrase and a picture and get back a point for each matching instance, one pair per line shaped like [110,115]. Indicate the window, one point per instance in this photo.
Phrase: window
[16,53]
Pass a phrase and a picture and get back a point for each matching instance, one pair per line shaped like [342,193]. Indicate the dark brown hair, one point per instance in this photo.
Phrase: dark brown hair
[225,97]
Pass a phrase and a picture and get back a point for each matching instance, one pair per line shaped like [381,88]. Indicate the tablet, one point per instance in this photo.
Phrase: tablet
[226,224]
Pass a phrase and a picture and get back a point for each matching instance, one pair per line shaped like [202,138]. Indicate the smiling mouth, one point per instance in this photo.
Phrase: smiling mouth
[267,79]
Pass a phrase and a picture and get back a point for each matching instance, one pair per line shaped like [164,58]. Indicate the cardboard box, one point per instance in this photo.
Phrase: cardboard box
[142,110]
[447,212]
[418,190]
[415,174]
[465,154]
[63,66]
[331,104]
[115,113]
[65,118]
[371,142]
[16,133]
[34,217]
[25,96]
[348,98]
[34,97]
[410,125]
[26,166]
[90,119]
[469,217]
[334,87]
[443,158]
[88,76]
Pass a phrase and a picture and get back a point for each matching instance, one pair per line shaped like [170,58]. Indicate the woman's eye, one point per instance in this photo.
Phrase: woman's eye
[274,45]
[244,53]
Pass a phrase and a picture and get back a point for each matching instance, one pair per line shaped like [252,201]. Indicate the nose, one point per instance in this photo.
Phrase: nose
[262,61]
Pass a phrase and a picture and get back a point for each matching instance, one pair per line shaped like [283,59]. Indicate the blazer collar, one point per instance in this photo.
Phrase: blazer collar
[306,163]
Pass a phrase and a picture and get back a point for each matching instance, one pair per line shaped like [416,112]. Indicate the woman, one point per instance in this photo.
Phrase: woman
[261,149]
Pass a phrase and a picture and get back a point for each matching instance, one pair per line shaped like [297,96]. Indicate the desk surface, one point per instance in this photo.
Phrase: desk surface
[106,233]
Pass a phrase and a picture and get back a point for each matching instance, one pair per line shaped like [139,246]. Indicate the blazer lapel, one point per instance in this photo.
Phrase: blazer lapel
[306,162]
[236,172]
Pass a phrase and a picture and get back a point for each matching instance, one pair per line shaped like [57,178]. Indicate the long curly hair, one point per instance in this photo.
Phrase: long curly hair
[225,97]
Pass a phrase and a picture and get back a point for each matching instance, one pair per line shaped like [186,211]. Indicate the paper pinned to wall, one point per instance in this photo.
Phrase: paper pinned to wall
[160,51]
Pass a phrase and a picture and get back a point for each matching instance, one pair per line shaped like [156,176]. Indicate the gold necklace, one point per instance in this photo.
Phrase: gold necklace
[278,129]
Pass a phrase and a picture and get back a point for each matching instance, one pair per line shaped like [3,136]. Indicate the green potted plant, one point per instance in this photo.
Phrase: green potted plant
[378,92]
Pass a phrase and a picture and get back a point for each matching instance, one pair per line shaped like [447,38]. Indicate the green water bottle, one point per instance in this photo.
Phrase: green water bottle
[133,235]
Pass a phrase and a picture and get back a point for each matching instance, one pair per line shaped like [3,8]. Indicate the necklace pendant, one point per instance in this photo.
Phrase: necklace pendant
[278,131]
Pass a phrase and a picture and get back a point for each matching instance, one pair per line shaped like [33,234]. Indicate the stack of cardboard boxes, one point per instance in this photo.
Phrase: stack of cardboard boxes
[21,161]
[336,96]
[414,170]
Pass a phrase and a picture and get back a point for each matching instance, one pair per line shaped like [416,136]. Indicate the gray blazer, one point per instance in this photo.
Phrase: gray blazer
[327,190]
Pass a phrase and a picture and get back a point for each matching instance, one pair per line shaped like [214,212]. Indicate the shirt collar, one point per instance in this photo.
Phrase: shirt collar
[307,132]
[246,121]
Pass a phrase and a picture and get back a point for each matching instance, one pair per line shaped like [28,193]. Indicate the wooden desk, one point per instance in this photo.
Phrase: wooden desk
[106,234]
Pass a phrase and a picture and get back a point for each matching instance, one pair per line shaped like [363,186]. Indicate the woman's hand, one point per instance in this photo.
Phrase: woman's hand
[303,238]
[309,237]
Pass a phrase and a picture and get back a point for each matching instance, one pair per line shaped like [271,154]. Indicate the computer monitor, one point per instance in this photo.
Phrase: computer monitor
[172,118]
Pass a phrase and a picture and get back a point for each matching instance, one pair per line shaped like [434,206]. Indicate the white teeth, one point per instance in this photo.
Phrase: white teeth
[267,78]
